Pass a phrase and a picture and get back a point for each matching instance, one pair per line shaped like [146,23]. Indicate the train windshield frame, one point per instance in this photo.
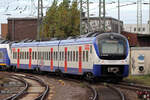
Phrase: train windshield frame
[112,48]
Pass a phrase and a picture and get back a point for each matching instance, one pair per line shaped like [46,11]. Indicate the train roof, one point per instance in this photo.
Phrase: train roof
[85,39]
[55,43]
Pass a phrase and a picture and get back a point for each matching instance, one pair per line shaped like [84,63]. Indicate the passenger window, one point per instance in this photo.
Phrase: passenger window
[49,55]
[60,55]
[35,55]
[56,56]
[27,55]
[68,56]
[32,55]
[46,55]
[91,49]
[87,56]
[76,55]
[20,55]
[83,55]
[71,56]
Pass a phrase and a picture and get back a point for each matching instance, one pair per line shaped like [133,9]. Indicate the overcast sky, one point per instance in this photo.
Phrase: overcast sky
[26,8]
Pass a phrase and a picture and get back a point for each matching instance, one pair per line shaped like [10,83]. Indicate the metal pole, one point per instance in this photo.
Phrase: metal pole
[141,24]
[137,17]
[104,25]
[81,17]
[100,15]
[41,19]
[38,23]
[149,16]
[119,16]
[88,16]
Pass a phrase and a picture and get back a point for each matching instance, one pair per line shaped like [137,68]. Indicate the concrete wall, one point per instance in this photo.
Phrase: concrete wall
[133,28]
[140,60]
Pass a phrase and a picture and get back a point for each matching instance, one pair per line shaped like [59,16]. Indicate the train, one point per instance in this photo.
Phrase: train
[103,55]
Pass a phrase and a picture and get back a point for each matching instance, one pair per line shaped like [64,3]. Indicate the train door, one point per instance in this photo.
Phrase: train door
[61,58]
[87,55]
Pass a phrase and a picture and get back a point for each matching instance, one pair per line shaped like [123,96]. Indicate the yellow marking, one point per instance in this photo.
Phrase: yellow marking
[3,64]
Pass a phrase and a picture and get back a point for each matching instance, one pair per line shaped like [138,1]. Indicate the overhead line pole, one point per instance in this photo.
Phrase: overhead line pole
[40,18]
[88,19]
[119,16]
[100,15]
[104,24]
[149,16]
[81,10]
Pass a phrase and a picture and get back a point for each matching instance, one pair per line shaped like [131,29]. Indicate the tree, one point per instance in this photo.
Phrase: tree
[62,20]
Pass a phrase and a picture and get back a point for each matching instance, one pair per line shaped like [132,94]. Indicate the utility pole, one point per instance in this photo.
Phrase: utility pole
[119,16]
[81,11]
[88,16]
[100,15]
[83,6]
[40,19]
[139,16]
[104,13]
[149,16]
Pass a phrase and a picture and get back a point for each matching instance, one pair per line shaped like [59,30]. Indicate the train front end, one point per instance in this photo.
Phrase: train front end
[112,56]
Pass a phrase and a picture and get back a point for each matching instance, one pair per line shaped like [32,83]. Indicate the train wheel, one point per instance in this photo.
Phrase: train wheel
[14,69]
[37,70]
[89,77]
[59,73]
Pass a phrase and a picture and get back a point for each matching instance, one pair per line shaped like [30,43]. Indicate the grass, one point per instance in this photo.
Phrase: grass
[145,80]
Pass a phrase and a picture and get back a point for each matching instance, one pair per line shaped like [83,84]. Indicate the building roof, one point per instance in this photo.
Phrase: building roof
[22,18]
[108,18]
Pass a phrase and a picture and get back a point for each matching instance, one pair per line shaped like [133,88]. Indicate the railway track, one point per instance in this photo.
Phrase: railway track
[109,92]
[143,92]
[32,82]
[93,96]
[35,89]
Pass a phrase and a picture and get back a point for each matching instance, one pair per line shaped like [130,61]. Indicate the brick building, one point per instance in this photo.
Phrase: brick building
[4,31]
[137,40]
[22,28]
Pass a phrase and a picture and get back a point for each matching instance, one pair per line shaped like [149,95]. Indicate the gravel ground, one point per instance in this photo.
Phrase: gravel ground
[130,95]
[67,90]
[11,87]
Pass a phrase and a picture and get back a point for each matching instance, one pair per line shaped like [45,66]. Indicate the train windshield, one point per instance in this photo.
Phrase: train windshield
[112,47]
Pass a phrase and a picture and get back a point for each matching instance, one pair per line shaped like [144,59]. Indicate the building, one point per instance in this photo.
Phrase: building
[22,28]
[4,31]
[133,28]
[137,40]
[132,38]
[111,24]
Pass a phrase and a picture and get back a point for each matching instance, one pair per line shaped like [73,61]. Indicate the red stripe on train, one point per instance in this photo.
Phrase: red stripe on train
[30,58]
[65,60]
[80,59]
[51,59]
[18,58]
